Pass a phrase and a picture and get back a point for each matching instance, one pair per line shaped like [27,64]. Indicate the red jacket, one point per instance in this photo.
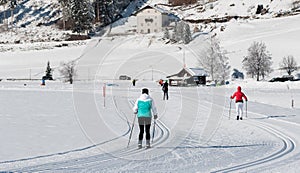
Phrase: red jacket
[239,95]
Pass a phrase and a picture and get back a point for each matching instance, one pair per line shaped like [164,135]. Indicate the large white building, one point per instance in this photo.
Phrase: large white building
[151,19]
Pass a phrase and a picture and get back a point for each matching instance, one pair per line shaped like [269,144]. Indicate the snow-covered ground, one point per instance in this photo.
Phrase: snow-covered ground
[207,9]
[67,129]
[72,128]
[278,34]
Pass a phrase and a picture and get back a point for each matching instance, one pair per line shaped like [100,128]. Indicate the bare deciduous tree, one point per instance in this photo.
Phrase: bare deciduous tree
[68,71]
[289,64]
[214,61]
[258,61]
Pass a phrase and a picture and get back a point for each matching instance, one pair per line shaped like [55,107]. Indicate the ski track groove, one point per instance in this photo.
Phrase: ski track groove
[81,164]
[102,158]
[288,146]
[74,164]
[120,114]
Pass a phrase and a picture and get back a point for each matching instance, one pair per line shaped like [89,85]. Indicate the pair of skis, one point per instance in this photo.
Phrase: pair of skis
[131,130]
[230,109]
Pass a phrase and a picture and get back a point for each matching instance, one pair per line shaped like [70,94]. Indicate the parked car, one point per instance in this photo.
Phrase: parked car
[278,79]
[124,77]
[297,77]
[289,77]
[282,79]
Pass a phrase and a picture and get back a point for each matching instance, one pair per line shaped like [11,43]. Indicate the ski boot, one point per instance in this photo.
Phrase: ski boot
[148,144]
[241,118]
[237,118]
[140,144]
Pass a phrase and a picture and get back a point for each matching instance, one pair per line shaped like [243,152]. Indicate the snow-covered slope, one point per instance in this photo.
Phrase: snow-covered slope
[222,8]
[32,21]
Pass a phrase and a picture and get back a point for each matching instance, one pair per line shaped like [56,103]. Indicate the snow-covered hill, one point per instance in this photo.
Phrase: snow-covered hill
[210,9]
[32,21]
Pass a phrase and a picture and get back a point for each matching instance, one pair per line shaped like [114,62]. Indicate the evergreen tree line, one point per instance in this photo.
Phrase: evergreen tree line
[181,32]
[79,16]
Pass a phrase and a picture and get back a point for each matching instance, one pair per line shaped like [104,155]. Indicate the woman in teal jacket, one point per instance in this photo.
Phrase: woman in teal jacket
[144,107]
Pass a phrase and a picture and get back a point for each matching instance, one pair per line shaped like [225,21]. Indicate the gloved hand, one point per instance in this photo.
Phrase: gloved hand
[155,117]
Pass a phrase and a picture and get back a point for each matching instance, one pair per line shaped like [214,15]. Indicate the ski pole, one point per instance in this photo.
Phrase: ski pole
[131,130]
[153,131]
[246,109]
[230,108]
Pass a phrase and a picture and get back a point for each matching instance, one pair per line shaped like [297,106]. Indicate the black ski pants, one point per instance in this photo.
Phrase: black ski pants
[166,95]
[144,124]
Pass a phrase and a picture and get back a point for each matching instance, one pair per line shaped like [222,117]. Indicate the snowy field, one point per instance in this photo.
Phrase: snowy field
[67,129]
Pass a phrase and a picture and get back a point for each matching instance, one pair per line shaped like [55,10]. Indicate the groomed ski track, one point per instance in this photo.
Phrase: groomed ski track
[92,163]
[287,151]
[288,146]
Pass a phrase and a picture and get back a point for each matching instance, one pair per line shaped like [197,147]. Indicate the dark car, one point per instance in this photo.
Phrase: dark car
[278,79]
[282,79]
[124,77]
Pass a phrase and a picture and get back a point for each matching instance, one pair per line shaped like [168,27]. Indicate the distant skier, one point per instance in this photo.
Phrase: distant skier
[43,82]
[133,82]
[161,82]
[239,95]
[143,107]
[165,89]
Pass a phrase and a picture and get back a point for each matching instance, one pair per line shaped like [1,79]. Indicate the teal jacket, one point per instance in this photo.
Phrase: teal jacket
[144,106]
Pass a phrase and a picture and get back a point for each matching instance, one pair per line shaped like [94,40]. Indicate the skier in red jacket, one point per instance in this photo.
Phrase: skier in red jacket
[239,95]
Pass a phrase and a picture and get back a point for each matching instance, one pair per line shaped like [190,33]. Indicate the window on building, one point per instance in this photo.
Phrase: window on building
[155,30]
[148,30]
[142,31]
[142,24]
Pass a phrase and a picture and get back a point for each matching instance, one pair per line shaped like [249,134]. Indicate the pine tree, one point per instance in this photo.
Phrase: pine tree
[174,33]
[106,11]
[49,72]
[187,36]
[166,34]
[179,31]
[82,15]
[3,3]
[66,11]
[182,32]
